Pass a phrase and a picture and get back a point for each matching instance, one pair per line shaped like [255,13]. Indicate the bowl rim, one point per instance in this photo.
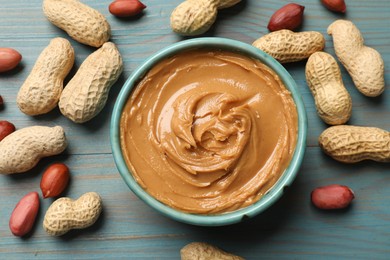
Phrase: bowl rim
[225,218]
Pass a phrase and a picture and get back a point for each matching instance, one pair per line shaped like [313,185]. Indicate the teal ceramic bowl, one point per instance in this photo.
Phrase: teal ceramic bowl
[219,219]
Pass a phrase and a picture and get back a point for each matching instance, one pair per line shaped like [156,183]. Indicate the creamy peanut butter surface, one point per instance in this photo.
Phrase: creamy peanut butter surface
[208,131]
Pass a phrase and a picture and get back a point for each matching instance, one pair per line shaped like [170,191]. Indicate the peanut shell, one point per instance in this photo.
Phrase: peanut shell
[21,150]
[351,144]
[193,17]
[364,64]
[288,46]
[86,93]
[66,214]
[323,76]
[42,89]
[83,23]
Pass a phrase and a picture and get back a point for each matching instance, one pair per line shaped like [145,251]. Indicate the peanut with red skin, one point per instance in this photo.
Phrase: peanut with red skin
[54,180]
[23,216]
[289,17]
[9,59]
[332,196]
[6,128]
[126,8]
[42,89]
[335,5]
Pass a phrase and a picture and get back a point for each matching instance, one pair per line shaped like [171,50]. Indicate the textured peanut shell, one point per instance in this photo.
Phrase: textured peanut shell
[364,64]
[86,93]
[351,144]
[288,46]
[222,4]
[42,89]
[66,214]
[200,250]
[83,23]
[323,76]
[193,17]
[22,150]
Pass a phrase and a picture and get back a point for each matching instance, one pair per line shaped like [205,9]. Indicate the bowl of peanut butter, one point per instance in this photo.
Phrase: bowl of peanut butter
[209,131]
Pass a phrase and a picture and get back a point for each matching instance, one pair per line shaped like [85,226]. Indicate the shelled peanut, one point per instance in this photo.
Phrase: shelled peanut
[288,17]
[364,64]
[54,180]
[24,214]
[126,8]
[323,76]
[195,17]
[66,214]
[22,149]
[288,46]
[351,144]
[6,128]
[83,23]
[332,197]
[86,93]
[335,5]
[9,59]
[42,89]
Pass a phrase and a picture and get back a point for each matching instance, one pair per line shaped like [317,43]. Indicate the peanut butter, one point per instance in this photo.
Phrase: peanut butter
[208,131]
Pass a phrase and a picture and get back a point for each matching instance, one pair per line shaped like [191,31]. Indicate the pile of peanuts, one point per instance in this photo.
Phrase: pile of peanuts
[43,90]
[82,99]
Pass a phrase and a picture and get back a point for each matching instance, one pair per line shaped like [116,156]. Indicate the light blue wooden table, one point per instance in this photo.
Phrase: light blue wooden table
[291,229]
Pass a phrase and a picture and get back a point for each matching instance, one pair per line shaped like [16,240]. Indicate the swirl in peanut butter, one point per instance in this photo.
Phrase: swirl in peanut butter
[208,131]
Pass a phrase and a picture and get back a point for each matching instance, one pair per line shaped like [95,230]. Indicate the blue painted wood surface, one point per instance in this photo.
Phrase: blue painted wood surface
[291,229]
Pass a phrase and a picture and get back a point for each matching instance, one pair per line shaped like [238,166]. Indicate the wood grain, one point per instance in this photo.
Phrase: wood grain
[129,229]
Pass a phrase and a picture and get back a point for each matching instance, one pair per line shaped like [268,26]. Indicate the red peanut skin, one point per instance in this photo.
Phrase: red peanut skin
[6,128]
[24,215]
[335,5]
[54,180]
[126,8]
[289,17]
[333,196]
[9,59]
